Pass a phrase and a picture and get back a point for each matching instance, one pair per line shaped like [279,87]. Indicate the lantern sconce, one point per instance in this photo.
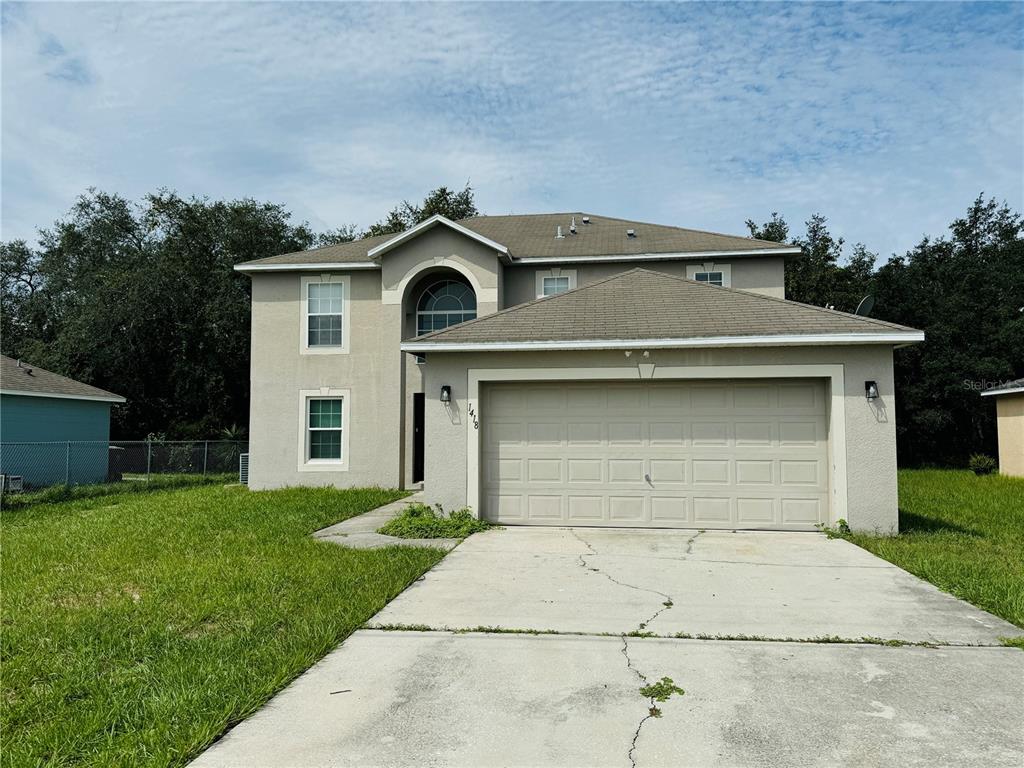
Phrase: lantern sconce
[446,393]
[871,390]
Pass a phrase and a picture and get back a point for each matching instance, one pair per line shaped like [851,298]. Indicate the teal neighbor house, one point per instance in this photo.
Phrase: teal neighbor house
[52,429]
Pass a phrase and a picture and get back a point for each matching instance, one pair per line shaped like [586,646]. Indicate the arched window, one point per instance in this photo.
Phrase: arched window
[444,303]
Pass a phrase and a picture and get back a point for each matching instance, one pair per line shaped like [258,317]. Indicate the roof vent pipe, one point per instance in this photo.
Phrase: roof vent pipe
[559,235]
[572,226]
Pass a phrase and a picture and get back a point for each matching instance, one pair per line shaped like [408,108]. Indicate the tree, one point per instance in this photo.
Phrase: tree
[817,276]
[142,299]
[443,201]
[966,292]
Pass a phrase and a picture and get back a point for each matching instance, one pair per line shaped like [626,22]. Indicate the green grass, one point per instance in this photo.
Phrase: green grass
[418,521]
[131,484]
[963,533]
[138,627]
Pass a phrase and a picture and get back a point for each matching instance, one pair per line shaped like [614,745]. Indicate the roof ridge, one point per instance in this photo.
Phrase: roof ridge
[874,320]
[532,302]
[632,221]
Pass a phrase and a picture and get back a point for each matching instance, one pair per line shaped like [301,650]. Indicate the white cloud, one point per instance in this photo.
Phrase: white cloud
[888,119]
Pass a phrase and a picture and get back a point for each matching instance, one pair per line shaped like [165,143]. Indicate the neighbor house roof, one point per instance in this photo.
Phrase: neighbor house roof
[532,238]
[645,309]
[1007,388]
[18,378]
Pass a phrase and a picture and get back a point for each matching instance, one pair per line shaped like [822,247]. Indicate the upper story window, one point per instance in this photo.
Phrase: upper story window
[324,309]
[444,303]
[713,278]
[553,285]
[554,281]
[711,272]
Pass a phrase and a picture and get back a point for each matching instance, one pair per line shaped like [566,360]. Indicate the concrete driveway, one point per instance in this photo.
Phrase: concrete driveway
[528,647]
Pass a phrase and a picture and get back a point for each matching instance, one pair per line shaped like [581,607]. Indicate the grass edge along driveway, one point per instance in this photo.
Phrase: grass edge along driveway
[962,533]
[138,627]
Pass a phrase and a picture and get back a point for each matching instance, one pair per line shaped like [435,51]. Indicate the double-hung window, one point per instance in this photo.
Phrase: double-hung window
[325,319]
[324,429]
[323,308]
[712,278]
[552,282]
[553,285]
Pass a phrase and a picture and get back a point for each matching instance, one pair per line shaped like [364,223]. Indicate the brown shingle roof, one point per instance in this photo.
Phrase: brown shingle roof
[533,236]
[30,380]
[645,305]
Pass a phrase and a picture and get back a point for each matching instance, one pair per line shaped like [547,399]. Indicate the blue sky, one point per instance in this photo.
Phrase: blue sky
[889,119]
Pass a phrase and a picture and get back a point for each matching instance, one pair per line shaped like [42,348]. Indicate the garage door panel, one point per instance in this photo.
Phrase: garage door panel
[586,508]
[715,454]
[585,433]
[806,472]
[667,433]
[801,511]
[668,471]
[755,511]
[586,470]
[626,471]
[544,470]
[711,471]
[709,433]
[506,508]
[755,472]
[672,509]
[711,509]
[626,508]
[544,507]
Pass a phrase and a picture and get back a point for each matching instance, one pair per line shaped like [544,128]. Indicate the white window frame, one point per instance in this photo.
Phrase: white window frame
[554,272]
[307,464]
[432,312]
[710,266]
[304,283]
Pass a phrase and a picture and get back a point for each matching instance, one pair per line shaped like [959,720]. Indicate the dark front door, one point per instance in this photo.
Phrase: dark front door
[417,437]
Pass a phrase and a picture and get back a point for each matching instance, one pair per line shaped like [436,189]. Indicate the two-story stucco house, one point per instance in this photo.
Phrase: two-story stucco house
[571,369]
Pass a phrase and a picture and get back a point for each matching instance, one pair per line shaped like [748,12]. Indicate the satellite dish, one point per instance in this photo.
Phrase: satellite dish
[865,306]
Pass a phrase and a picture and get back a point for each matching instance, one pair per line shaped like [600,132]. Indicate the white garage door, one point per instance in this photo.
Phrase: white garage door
[693,454]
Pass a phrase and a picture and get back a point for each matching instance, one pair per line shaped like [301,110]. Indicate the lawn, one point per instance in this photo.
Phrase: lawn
[963,533]
[137,627]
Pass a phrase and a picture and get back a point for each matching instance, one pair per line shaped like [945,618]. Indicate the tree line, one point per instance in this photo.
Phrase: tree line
[142,299]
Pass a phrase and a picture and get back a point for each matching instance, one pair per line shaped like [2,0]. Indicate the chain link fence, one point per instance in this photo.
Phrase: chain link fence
[40,465]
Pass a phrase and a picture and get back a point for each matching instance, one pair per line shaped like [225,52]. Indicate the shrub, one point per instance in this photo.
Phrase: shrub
[419,521]
[980,464]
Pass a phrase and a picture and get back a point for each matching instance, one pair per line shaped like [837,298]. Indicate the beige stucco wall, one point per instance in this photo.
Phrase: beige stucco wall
[432,253]
[279,372]
[381,379]
[762,275]
[870,429]
[1010,423]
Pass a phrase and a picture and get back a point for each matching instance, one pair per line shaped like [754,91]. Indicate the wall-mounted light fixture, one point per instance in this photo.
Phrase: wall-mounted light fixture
[871,390]
[446,393]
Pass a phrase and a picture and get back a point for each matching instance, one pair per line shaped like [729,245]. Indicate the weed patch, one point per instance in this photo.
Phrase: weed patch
[418,521]
[661,691]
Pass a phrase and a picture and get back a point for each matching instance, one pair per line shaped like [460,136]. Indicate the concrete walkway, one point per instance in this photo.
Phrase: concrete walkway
[360,532]
[480,689]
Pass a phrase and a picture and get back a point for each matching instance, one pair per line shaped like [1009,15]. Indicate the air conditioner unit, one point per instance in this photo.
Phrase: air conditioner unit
[243,468]
[14,483]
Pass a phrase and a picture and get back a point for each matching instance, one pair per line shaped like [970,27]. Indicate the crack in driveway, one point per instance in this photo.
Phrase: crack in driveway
[651,705]
[668,602]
